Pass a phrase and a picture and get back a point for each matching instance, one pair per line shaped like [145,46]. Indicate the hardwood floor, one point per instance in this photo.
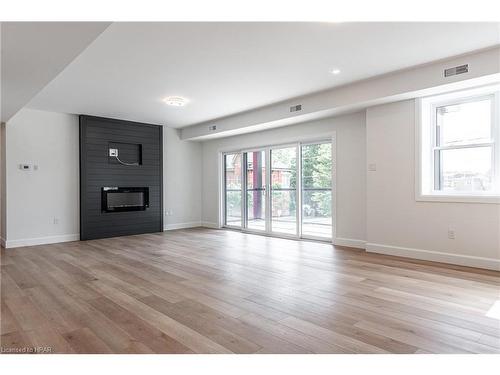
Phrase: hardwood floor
[211,291]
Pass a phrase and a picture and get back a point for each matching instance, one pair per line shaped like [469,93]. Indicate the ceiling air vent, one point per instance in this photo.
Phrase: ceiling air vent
[212,127]
[456,70]
[296,108]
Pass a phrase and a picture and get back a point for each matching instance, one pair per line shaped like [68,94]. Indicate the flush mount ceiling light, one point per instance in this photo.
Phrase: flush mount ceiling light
[175,101]
[335,71]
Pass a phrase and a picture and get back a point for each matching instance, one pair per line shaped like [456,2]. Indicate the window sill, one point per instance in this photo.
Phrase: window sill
[450,198]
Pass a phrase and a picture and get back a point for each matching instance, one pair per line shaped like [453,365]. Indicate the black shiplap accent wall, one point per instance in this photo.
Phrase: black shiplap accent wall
[98,170]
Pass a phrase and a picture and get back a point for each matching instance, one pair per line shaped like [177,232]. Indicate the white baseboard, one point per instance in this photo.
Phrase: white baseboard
[192,224]
[40,240]
[349,242]
[208,224]
[435,256]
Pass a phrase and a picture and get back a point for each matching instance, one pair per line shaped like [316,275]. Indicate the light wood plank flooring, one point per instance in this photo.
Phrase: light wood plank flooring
[213,291]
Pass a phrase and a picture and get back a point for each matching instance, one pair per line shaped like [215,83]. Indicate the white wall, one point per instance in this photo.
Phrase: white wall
[398,224]
[3,197]
[351,157]
[35,198]
[181,181]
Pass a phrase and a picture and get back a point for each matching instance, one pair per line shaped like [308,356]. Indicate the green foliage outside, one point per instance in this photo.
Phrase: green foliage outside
[316,172]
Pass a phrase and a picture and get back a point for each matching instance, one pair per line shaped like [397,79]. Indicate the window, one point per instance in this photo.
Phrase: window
[232,181]
[459,146]
[283,190]
[256,190]
[317,190]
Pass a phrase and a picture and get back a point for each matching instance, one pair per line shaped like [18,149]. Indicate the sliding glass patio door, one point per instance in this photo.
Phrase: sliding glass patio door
[233,208]
[316,186]
[281,190]
[256,197]
[284,190]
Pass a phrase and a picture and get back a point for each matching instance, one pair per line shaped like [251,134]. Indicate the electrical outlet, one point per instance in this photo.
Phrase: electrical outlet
[113,152]
[169,212]
[451,234]
[56,221]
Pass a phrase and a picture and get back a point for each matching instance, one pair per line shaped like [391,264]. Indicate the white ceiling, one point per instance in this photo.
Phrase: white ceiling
[34,53]
[226,68]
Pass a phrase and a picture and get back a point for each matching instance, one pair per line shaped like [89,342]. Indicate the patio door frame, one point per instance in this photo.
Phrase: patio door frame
[244,191]
[326,138]
[298,205]
[332,190]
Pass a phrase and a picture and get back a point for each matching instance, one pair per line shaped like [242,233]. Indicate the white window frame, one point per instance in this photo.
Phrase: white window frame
[292,142]
[224,206]
[425,146]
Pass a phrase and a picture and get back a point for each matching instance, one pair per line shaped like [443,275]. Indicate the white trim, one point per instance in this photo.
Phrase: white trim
[349,242]
[220,193]
[41,240]
[425,123]
[300,192]
[243,190]
[269,211]
[191,224]
[447,198]
[209,224]
[435,256]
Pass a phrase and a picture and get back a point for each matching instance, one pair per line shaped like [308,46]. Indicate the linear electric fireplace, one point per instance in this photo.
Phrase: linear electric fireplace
[118,199]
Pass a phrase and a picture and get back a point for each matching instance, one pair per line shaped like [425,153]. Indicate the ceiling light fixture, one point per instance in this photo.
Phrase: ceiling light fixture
[175,101]
[335,71]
